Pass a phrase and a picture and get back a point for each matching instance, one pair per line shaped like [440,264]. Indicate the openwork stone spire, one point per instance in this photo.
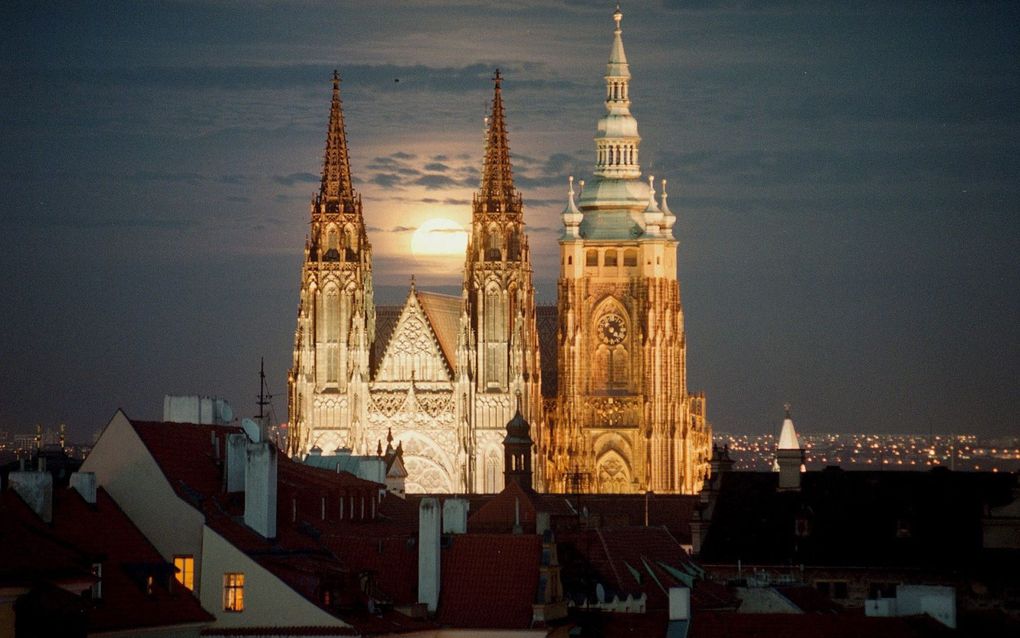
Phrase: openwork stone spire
[497,192]
[336,170]
[617,139]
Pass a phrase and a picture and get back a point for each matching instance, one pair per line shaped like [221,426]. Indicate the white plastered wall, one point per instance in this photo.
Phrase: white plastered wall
[126,469]
[268,601]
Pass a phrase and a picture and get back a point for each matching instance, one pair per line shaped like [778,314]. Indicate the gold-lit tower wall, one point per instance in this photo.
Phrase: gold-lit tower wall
[625,420]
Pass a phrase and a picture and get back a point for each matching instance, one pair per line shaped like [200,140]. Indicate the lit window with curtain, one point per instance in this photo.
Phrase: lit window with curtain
[233,592]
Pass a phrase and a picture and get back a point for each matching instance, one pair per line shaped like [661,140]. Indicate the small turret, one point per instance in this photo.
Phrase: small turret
[572,216]
[668,218]
[517,451]
[652,214]
[789,455]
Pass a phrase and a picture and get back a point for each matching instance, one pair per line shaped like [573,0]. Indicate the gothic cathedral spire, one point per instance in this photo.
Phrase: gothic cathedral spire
[497,193]
[336,312]
[499,338]
[336,167]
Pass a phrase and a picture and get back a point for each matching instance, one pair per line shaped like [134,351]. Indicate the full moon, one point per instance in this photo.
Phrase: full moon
[439,236]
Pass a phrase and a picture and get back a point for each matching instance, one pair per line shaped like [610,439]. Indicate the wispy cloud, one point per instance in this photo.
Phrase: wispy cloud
[296,178]
[171,177]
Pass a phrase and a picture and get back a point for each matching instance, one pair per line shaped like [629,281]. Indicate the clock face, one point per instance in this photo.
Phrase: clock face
[612,329]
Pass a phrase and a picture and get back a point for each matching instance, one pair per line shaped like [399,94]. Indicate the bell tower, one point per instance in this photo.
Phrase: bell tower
[625,421]
[328,383]
[498,354]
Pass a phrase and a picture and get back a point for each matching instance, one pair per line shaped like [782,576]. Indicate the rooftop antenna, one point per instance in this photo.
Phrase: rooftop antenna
[265,399]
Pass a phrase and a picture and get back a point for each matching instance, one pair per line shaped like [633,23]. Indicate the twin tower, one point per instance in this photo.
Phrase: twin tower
[601,378]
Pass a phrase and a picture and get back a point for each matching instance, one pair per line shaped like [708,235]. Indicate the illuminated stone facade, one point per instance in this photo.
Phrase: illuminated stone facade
[444,374]
[624,419]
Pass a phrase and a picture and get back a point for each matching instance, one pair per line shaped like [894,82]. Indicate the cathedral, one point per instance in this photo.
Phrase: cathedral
[601,378]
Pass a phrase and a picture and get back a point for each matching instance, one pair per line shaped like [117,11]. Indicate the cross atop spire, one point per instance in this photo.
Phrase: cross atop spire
[336,169]
[497,190]
[617,57]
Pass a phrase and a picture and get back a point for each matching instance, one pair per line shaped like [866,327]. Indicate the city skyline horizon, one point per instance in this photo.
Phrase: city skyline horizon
[844,181]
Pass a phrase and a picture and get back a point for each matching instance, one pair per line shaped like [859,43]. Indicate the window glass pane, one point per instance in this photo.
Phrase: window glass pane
[185,571]
[233,592]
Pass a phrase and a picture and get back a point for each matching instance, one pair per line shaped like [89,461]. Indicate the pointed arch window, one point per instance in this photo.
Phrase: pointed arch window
[331,333]
[491,479]
[493,245]
[514,246]
[332,246]
[602,364]
[350,244]
[619,368]
[494,337]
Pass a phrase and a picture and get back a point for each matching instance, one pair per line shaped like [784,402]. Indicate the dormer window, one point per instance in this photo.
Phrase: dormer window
[185,568]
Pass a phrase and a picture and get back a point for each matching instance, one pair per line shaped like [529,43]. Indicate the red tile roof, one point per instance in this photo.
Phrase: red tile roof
[489,580]
[735,625]
[495,512]
[281,631]
[392,562]
[30,552]
[309,549]
[501,511]
[102,533]
[808,599]
[634,561]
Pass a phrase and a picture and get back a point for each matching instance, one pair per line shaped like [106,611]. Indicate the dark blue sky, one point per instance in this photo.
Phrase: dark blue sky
[846,176]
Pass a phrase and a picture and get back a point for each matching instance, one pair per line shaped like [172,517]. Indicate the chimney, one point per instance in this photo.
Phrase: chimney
[455,511]
[260,488]
[542,524]
[85,484]
[699,529]
[428,552]
[36,489]
[679,606]
[720,462]
[237,450]
[215,442]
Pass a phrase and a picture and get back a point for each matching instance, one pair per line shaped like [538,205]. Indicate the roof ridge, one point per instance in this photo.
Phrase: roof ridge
[609,557]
